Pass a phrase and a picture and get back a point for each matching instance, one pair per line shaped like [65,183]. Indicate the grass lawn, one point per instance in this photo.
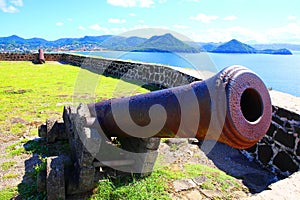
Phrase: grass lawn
[29,94]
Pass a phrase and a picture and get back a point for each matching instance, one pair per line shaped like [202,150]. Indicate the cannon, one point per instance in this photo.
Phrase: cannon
[41,57]
[232,107]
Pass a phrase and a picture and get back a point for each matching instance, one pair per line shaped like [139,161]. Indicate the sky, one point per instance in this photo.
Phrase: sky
[252,21]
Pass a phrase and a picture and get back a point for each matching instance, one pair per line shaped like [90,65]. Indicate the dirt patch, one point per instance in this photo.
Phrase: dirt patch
[16,120]
[18,166]
[20,91]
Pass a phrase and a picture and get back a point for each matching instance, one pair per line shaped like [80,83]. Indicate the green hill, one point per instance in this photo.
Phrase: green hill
[234,46]
[165,43]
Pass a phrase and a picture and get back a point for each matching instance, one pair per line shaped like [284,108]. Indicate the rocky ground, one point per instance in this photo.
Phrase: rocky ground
[251,176]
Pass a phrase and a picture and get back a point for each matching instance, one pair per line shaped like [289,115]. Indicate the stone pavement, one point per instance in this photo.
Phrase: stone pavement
[286,189]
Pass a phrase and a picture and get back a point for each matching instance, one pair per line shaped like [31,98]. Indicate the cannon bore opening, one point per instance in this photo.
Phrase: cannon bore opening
[251,105]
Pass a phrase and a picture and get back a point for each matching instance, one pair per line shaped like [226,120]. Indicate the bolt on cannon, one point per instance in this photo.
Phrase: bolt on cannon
[232,107]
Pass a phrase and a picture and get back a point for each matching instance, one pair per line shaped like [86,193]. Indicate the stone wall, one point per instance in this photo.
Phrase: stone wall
[152,74]
[279,150]
[18,57]
[28,57]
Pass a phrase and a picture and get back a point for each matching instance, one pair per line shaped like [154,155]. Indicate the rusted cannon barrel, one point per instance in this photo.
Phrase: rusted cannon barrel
[41,59]
[232,107]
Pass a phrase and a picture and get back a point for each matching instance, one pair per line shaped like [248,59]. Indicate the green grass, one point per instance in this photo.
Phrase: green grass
[8,165]
[152,187]
[16,149]
[8,193]
[157,185]
[9,176]
[34,93]
[216,178]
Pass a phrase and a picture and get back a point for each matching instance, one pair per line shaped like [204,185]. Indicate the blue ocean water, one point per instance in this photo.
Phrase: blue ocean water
[279,72]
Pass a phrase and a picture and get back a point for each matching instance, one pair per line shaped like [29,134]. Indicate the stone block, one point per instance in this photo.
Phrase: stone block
[288,114]
[271,130]
[285,163]
[298,149]
[52,130]
[277,120]
[199,180]
[285,138]
[55,178]
[183,184]
[86,178]
[265,153]
[153,143]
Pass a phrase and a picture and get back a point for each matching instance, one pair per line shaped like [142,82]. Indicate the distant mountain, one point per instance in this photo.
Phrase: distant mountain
[120,43]
[162,43]
[208,46]
[275,52]
[12,40]
[94,39]
[36,41]
[165,43]
[292,47]
[235,46]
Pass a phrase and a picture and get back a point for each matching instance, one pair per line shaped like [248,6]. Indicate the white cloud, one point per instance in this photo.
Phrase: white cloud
[9,8]
[178,26]
[116,21]
[292,17]
[17,2]
[132,3]
[119,30]
[59,24]
[132,14]
[204,18]
[191,0]
[246,34]
[141,21]
[225,34]
[81,28]
[230,18]
[288,33]
[162,1]
[97,27]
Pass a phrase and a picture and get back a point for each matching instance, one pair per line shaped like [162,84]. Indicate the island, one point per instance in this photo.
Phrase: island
[235,46]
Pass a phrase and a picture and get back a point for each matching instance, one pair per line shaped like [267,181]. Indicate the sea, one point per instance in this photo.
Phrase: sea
[279,72]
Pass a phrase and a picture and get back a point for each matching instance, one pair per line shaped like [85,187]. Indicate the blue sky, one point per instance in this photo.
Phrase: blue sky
[262,21]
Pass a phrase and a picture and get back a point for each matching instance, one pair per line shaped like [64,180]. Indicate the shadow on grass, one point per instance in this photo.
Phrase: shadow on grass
[232,162]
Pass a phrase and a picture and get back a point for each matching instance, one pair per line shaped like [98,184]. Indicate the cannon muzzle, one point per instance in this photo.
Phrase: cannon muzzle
[232,107]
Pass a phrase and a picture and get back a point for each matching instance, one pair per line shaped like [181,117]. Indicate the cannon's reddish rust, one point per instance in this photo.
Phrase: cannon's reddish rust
[41,56]
[232,107]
